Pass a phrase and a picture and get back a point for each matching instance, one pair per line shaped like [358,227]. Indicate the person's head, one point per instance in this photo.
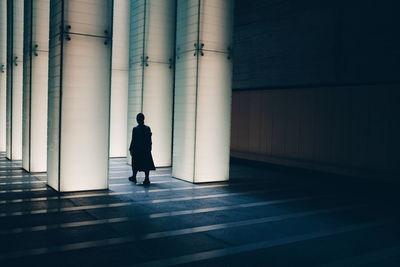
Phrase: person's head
[140,118]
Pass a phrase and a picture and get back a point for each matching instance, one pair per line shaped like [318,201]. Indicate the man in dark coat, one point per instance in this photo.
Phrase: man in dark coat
[140,150]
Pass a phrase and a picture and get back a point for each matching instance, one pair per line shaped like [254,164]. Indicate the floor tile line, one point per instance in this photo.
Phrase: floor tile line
[194,187]
[196,257]
[121,204]
[219,226]
[153,215]
[128,239]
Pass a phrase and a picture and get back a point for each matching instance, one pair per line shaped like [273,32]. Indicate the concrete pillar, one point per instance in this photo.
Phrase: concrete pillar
[3,73]
[119,79]
[79,94]
[35,80]
[151,72]
[202,90]
[15,30]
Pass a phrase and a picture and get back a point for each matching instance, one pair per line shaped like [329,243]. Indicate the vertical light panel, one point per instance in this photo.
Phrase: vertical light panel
[79,94]
[35,80]
[151,72]
[15,29]
[3,73]
[119,79]
[203,90]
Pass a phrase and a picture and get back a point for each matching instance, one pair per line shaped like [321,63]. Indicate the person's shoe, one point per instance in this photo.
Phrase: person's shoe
[146,182]
[132,179]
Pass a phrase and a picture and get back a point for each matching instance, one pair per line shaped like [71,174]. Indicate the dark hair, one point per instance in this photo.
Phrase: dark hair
[140,118]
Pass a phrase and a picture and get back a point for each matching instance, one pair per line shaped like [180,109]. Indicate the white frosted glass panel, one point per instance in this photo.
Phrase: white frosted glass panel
[137,30]
[35,86]
[216,24]
[119,79]
[18,27]
[26,87]
[184,117]
[157,107]
[134,100]
[39,112]
[54,96]
[151,72]
[88,16]
[16,120]
[14,83]
[3,73]
[160,30]
[85,114]
[202,91]
[213,112]
[53,131]
[135,92]
[187,25]
[119,113]
[120,52]
[41,24]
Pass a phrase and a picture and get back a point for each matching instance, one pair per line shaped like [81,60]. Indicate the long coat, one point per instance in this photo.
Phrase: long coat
[140,148]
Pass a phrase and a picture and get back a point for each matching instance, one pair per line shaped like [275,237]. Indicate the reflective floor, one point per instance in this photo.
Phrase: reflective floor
[262,217]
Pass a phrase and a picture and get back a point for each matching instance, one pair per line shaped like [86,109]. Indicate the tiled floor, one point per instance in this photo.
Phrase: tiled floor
[262,217]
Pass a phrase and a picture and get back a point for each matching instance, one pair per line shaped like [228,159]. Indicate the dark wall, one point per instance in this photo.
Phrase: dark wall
[291,43]
[334,66]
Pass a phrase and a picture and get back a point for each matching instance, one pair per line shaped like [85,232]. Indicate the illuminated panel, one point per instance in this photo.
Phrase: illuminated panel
[152,72]
[81,99]
[54,95]
[34,143]
[203,91]
[119,79]
[15,15]
[137,11]
[3,73]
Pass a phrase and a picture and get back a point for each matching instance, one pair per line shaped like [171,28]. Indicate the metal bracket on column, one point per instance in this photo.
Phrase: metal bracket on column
[145,61]
[171,63]
[107,37]
[35,49]
[198,49]
[2,68]
[15,61]
[67,36]
[229,52]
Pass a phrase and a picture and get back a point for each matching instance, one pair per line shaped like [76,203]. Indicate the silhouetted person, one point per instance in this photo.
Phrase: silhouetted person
[140,150]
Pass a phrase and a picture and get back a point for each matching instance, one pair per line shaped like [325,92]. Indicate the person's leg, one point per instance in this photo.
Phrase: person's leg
[134,173]
[146,179]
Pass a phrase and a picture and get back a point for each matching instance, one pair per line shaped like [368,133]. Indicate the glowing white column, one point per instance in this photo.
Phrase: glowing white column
[119,79]
[151,72]
[15,30]
[3,73]
[36,56]
[79,94]
[202,90]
